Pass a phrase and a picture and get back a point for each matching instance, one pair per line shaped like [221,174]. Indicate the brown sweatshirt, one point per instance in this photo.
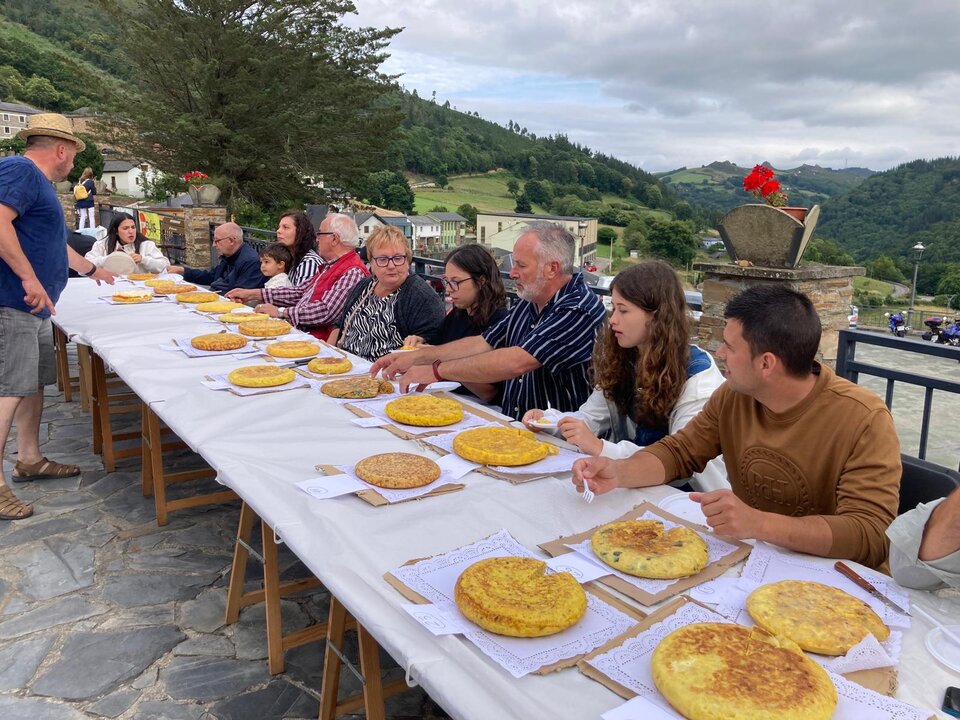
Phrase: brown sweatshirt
[836,454]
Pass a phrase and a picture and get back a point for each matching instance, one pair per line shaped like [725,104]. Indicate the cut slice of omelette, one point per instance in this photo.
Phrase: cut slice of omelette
[642,548]
[817,617]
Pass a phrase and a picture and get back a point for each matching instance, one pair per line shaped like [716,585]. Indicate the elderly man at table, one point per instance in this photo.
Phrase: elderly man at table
[925,545]
[239,265]
[34,257]
[315,304]
[813,460]
[540,351]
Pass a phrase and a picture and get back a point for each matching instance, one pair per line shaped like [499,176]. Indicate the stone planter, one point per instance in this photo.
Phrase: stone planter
[204,194]
[768,236]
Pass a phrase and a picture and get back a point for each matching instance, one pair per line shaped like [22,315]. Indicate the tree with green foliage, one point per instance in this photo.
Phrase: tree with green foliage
[441,181]
[538,192]
[270,96]
[470,213]
[91,157]
[672,241]
[513,187]
[523,204]
[828,252]
[399,196]
[654,197]
[635,235]
[884,268]
[950,283]
[388,190]
[606,236]
[683,210]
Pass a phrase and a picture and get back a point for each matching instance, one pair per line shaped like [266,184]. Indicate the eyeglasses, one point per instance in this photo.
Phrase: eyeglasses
[454,285]
[324,232]
[384,260]
[217,240]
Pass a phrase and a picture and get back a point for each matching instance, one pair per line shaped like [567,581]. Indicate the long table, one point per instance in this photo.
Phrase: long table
[260,446]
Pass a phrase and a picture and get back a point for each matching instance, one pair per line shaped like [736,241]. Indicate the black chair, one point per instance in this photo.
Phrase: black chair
[80,242]
[923,481]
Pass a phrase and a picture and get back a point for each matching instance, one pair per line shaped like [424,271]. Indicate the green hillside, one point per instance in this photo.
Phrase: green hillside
[892,211]
[719,185]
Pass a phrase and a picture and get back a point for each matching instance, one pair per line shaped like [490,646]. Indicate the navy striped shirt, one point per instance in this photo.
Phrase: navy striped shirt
[561,339]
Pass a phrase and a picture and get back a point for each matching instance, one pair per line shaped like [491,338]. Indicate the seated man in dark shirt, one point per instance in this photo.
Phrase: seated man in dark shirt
[239,265]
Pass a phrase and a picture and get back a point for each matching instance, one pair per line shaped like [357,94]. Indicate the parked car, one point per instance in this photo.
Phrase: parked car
[589,267]
[694,304]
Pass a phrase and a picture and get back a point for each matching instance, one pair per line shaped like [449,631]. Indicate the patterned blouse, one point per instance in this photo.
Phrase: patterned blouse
[308,266]
[370,328]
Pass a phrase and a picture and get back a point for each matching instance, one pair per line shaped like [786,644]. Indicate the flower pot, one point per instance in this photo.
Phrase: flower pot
[768,236]
[204,194]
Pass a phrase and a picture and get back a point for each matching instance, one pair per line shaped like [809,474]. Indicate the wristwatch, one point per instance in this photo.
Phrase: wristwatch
[281,313]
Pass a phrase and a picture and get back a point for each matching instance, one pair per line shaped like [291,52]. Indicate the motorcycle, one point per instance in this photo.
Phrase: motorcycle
[949,335]
[897,325]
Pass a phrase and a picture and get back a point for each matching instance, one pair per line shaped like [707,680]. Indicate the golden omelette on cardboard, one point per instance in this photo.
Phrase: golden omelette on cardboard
[165,288]
[817,617]
[397,470]
[235,318]
[195,298]
[504,446]
[218,341]
[356,387]
[219,306]
[265,328]
[293,349]
[723,671]
[513,596]
[642,548]
[424,410]
[329,365]
[261,376]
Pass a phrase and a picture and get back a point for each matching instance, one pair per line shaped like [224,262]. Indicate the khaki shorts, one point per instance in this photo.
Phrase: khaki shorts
[26,353]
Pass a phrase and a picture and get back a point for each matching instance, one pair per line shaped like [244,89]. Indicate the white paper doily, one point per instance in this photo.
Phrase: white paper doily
[560,463]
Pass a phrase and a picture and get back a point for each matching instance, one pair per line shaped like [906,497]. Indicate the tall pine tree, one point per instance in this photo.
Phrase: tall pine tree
[269,96]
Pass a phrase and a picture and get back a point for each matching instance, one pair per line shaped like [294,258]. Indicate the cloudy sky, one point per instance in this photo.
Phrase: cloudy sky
[667,83]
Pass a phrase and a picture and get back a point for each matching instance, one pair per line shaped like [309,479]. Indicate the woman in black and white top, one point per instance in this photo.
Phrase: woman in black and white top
[296,232]
[391,304]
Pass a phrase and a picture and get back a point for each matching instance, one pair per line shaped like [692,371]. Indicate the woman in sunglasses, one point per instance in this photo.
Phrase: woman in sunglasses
[391,304]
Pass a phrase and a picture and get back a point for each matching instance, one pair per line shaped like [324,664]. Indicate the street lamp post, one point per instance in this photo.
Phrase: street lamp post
[918,253]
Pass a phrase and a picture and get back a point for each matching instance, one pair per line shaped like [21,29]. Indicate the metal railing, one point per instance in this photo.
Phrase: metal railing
[850,368]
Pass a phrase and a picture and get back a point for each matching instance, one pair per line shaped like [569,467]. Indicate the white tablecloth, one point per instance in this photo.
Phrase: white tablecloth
[260,446]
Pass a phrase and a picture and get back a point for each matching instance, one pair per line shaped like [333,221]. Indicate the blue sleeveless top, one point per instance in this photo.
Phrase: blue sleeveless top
[646,435]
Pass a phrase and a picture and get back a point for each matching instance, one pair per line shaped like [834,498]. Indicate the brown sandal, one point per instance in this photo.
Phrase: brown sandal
[43,469]
[11,507]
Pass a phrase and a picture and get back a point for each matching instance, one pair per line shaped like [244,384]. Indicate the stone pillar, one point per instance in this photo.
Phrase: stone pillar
[829,287]
[196,230]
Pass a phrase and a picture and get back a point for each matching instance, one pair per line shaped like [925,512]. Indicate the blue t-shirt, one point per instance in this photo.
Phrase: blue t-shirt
[40,227]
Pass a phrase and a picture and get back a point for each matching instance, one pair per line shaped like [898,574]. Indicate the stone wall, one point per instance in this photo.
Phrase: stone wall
[196,228]
[830,288]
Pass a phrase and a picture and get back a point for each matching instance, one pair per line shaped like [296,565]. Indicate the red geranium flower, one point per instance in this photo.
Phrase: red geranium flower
[761,184]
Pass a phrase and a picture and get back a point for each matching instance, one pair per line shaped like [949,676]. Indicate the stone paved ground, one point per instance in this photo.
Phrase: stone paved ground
[103,614]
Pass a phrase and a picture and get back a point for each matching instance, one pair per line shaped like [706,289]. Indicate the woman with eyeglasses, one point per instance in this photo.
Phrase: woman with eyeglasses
[391,304]
[475,289]
[296,233]
[650,381]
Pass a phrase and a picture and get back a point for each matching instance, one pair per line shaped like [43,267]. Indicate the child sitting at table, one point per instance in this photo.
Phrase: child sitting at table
[274,261]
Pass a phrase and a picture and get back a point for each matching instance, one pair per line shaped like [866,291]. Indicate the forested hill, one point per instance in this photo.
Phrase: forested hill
[439,141]
[719,185]
[891,211]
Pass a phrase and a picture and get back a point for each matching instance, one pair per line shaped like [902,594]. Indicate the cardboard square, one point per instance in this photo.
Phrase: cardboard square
[377,500]
[601,594]
[712,570]
[880,680]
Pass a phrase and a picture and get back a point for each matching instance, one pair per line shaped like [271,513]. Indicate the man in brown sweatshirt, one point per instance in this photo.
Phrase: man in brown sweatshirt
[813,460]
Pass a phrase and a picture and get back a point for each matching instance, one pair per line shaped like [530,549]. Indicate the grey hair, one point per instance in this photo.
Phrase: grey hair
[555,244]
[345,227]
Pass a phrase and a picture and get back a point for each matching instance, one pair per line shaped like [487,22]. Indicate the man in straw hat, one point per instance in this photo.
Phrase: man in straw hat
[34,257]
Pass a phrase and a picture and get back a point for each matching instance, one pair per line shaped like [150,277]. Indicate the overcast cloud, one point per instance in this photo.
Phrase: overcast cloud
[666,83]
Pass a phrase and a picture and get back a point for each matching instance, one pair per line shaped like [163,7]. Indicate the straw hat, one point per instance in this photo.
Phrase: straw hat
[51,125]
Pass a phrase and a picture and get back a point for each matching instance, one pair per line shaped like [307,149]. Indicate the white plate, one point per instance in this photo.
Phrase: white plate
[543,424]
[943,648]
[444,385]
[682,506]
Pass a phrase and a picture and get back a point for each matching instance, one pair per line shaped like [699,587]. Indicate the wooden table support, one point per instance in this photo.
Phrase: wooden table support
[65,382]
[273,590]
[106,404]
[375,692]
[156,479]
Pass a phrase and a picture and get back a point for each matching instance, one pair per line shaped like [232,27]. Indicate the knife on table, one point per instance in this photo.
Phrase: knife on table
[852,574]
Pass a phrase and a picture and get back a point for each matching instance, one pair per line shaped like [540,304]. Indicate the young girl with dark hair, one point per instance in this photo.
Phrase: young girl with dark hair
[649,380]
[275,260]
[122,237]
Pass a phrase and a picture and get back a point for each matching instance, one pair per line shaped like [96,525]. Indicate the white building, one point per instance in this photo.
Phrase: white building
[126,178]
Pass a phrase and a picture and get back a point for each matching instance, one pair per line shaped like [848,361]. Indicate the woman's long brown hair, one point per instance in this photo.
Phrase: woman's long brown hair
[645,382]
